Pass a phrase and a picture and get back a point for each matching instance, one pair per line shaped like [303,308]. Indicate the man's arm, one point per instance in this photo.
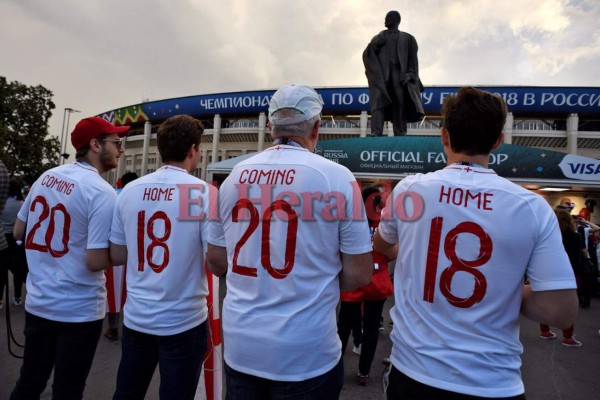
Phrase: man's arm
[552,307]
[19,229]
[97,259]
[118,254]
[217,259]
[356,270]
[387,249]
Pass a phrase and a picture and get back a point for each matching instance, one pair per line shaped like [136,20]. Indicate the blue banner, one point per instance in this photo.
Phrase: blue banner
[531,100]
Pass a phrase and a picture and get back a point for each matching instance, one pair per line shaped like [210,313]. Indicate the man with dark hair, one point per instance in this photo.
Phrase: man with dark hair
[128,177]
[392,69]
[286,261]
[66,222]
[165,316]
[465,238]
[474,120]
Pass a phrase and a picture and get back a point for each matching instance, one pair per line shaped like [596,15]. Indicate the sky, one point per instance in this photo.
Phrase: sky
[100,55]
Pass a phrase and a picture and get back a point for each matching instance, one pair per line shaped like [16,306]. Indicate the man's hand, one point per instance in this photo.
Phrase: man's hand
[408,77]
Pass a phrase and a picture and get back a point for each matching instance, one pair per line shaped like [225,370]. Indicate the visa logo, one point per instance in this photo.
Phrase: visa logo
[587,169]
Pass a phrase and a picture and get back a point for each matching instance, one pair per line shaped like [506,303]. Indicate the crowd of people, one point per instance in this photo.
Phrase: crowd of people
[294,237]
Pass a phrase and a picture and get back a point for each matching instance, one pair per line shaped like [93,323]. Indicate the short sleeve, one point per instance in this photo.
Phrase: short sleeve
[209,213]
[355,237]
[24,211]
[216,234]
[117,231]
[101,210]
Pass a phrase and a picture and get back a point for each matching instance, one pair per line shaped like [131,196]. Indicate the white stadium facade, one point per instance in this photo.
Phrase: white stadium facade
[552,137]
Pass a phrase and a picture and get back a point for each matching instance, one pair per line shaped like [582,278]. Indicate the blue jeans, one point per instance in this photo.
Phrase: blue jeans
[401,387]
[66,347]
[242,386]
[179,358]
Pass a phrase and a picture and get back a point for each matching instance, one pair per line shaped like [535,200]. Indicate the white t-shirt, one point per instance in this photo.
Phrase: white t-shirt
[162,218]
[68,211]
[459,276]
[282,282]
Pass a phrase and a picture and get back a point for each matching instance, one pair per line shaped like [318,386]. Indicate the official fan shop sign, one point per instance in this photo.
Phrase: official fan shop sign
[409,155]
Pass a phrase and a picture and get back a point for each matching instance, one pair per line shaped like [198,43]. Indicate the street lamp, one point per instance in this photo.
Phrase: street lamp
[63,135]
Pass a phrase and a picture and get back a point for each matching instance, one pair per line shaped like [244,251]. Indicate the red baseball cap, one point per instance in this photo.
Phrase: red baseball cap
[92,127]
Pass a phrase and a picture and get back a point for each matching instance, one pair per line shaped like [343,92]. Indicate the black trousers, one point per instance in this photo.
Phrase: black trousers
[401,387]
[68,348]
[350,315]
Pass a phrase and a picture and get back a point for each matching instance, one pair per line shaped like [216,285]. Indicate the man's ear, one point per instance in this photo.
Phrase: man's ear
[190,152]
[95,145]
[499,141]
[445,135]
[314,134]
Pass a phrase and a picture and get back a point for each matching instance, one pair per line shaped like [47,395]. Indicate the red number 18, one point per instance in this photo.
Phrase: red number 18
[154,241]
[457,263]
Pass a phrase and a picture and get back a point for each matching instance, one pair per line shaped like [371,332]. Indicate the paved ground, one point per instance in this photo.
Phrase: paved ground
[550,370]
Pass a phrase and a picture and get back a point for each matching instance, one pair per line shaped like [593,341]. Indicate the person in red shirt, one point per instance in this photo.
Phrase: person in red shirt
[365,304]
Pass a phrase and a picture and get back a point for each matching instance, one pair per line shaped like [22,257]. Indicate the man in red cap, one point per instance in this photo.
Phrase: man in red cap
[64,224]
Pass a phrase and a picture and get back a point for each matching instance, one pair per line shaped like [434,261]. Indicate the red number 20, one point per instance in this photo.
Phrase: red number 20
[154,241]
[457,263]
[49,212]
[265,248]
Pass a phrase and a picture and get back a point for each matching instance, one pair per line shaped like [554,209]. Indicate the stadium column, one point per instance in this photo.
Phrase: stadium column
[508,128]
[572,128]
[262,128]
[147,135]
[204,163]
[364,117]
[216,137]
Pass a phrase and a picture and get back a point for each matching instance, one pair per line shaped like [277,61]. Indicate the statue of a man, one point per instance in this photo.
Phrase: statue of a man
[392,69]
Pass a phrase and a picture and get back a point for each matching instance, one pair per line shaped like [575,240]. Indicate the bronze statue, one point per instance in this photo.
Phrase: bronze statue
[392,69]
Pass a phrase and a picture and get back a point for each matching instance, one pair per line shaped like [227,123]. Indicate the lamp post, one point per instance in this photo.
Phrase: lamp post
[63,134]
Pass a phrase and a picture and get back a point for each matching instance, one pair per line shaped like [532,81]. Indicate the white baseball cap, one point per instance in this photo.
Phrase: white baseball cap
[301,98]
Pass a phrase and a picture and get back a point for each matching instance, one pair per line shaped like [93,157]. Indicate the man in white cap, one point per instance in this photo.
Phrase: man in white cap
[65,221]
[288,241]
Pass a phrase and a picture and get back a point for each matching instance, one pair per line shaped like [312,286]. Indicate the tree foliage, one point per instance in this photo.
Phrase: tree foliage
[25,147]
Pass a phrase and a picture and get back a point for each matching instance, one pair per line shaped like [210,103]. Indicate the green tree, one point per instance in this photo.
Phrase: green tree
[25,147]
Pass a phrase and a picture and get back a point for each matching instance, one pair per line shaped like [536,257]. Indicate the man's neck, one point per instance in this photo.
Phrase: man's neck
[179,164]
[479,159]
[94,162]
[303,141]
